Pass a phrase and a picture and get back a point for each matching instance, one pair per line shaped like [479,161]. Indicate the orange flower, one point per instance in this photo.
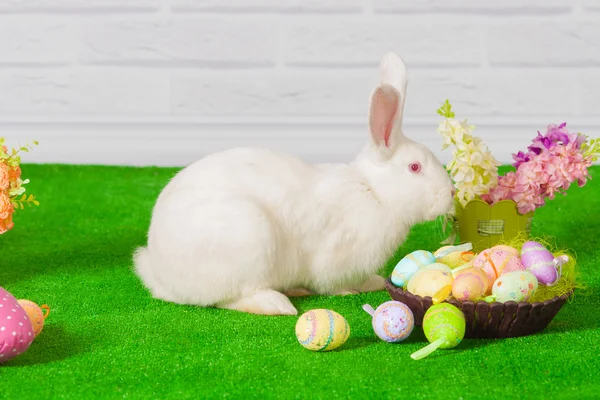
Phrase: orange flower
[14,174]
[6,224]
[6,207]
[4,177]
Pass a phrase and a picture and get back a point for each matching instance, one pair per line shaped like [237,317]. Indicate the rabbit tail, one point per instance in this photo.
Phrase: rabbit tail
[145,270]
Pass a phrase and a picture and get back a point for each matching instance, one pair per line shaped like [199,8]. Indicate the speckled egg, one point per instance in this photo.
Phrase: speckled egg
[540,261]
[428,282]
[16,331]
[393,321]
[510,250]
[495,263]
[35,314]
[322,330]
[410,264]
[455,259]
[469,284]
[514,286]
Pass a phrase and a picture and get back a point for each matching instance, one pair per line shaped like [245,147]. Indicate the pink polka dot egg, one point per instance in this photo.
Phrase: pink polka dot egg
[16,331]
[540,261]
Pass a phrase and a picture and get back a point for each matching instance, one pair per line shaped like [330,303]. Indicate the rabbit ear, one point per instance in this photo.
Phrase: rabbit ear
[387,104]
[393,73]
[384,107]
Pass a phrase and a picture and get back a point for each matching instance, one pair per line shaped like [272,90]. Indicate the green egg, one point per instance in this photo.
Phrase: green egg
[444,321]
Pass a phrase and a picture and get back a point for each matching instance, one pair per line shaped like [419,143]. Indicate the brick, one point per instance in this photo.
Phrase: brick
[591,4]
[269,96]
[41,41]
[75,5]
[98,92]
[477,7]
[363,43]
[493,93]
[543,44]
[118,91]
[472,92]
[32,92]
[270,5]
[589,84]
[180,41]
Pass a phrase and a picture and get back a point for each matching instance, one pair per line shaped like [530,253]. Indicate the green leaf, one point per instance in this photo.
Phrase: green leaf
[446,110]
[37,203]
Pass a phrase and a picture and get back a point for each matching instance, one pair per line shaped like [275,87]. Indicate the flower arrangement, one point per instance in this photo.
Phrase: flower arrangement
[552,163]
[473,168]
[12,187]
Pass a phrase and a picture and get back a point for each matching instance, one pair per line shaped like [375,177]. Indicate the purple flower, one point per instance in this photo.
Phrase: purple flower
[540,143]
[558,133]
[520,158]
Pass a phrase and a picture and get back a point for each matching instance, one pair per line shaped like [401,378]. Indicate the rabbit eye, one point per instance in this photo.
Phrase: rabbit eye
[415,167]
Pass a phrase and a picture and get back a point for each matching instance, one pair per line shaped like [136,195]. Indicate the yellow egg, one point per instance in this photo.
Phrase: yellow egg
[35,314]
[469,284]
[455,259]
[322,330]
[428,282]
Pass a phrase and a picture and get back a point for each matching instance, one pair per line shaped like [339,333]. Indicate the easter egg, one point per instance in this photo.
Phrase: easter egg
[444,321]
[469,284]
[322,330]
[510,250]
[428,282]
[410,264]
[540,261]
[16,331]
[444,326]
[495,263]
[393,321]
[35,314]
[514,286]
[455,259]
[439,267]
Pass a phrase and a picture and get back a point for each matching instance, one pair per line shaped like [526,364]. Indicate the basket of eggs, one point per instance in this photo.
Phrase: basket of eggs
[506,283]
[508,290]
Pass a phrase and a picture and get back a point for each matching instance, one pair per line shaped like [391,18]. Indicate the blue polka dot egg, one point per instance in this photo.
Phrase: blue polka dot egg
[409,265]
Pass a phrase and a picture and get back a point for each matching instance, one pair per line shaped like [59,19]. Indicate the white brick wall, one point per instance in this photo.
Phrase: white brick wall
[167,81]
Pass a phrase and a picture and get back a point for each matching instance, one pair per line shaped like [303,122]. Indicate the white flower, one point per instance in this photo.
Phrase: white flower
[472,168]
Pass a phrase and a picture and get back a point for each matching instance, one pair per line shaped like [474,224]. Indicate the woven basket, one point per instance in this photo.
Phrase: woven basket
[489,320]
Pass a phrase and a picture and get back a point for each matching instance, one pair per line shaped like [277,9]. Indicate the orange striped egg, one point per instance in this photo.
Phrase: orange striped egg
[495,262]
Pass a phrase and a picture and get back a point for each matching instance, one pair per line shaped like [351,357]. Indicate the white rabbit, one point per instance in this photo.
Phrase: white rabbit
[239,228]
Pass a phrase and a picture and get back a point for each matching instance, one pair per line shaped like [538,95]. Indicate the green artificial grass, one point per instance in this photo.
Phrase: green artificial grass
[107,338]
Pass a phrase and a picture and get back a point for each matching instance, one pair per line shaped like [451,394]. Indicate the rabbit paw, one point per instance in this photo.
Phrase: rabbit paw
[345,292]
[298,292]
[264,302]
[373,284]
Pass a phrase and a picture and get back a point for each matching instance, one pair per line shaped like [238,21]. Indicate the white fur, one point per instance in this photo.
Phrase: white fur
[238,228]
